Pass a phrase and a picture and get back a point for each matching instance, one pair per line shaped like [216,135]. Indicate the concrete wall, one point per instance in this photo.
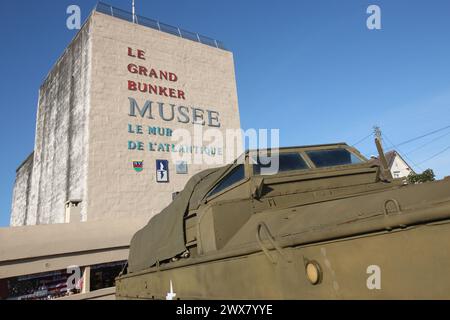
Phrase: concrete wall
[81,144]
[46,248]
[205,74]
[60,154]
[21,192]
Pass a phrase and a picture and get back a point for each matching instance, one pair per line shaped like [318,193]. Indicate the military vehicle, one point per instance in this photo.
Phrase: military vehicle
[312,222]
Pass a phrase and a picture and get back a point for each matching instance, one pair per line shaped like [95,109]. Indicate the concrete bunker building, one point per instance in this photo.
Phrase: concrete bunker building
[106,114]
[102,164]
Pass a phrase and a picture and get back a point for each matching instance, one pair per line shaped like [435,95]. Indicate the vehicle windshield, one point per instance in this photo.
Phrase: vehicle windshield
[269,165]
[333,157]
[236,175]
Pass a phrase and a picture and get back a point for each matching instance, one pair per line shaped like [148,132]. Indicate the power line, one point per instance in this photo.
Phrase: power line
[363,139]
[423,136]
[396,147]
[401,153]
[428,143]
[437,154]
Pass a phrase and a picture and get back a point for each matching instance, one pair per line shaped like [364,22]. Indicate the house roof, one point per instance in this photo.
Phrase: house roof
[390,157]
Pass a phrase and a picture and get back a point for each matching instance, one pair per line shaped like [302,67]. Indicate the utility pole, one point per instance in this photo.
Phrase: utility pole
[386,172]
[377,132]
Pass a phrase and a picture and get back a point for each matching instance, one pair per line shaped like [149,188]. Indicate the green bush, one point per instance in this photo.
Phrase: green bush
[426,176]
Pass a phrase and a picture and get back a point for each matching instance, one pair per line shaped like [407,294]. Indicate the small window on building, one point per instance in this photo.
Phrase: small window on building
[332,157]
[236,175]
[286,162]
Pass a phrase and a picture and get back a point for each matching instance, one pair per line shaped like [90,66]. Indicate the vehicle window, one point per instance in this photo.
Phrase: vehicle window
[287,162]
[333,157]
[236,175]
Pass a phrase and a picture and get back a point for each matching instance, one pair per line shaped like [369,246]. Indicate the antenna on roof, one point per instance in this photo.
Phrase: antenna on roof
[134,11]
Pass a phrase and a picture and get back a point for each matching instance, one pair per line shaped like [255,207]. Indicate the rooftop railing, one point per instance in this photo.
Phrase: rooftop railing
[150,23]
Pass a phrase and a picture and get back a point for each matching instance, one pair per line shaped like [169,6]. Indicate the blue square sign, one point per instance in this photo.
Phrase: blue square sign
[162,171]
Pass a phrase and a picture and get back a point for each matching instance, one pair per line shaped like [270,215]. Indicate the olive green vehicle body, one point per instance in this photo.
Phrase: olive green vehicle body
[254,239]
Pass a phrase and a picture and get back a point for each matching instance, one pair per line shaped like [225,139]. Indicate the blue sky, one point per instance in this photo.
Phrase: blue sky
[308,67]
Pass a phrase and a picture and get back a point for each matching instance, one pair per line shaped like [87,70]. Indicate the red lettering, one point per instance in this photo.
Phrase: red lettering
[163,91]
[181,95]
[141,54]
[153,89]
[163,75]
[173,77]
[132,85]
[153,74]
[130,52]
[142,88]
[132,68]
[143,71]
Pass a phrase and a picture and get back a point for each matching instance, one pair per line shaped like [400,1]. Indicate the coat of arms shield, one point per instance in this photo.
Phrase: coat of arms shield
[138,166]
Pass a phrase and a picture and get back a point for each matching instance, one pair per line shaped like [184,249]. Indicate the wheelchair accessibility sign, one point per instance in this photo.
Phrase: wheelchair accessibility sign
[162,171]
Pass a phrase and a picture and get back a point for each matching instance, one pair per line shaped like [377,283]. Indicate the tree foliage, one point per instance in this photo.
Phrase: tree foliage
[426,176]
